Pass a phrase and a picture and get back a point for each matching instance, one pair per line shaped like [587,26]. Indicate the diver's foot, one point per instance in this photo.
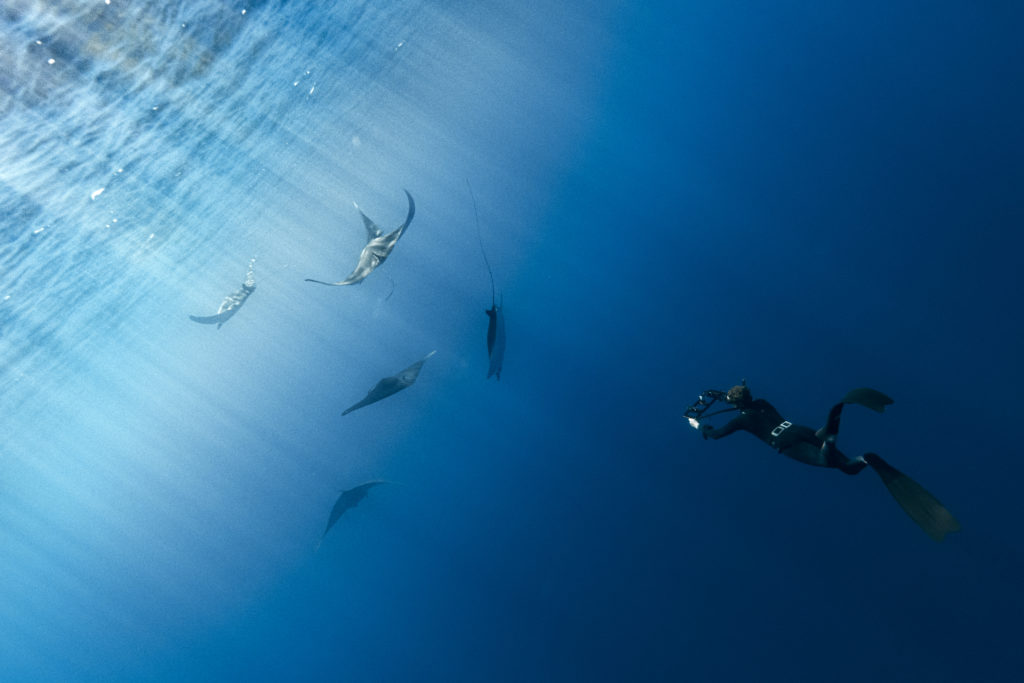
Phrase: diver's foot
[854,466]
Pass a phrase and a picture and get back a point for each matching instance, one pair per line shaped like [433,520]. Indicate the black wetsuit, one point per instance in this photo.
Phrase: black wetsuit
[801,443]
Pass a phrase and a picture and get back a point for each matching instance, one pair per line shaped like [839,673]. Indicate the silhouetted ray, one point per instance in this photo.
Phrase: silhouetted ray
[495,340]
[378,248]
[496,319]
[232,302]
[347,500]
[392,385]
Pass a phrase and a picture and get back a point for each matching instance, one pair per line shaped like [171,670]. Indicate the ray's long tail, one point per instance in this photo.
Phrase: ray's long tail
[480,240]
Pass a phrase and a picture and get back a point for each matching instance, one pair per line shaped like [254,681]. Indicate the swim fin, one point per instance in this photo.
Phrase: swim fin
[922,506]
[869,398]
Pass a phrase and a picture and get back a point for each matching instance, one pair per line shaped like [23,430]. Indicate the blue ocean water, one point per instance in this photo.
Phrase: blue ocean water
[673,197]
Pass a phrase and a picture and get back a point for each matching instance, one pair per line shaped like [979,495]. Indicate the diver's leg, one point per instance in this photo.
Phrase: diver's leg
[806,452]
[836,458]
[830,455]
[831,428]
[824,455]
[852,466]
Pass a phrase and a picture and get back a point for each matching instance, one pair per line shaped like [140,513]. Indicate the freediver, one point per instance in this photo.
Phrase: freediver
[801,443]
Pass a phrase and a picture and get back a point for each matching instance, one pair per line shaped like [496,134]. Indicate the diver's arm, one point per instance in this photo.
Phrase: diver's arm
[736,424]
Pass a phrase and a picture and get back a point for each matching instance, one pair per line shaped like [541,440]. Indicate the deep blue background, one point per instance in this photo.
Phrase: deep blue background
[813,198]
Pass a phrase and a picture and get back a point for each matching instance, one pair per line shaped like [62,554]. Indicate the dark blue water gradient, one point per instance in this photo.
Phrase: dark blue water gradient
[673,198]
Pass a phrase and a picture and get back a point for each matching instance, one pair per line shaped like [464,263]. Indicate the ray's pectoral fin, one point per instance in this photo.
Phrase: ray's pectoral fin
[391,385]
[408,216]
[372,231]
[378,248]
[217,320]
[409,375]
[228,307]
[381,390]
[348,500]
